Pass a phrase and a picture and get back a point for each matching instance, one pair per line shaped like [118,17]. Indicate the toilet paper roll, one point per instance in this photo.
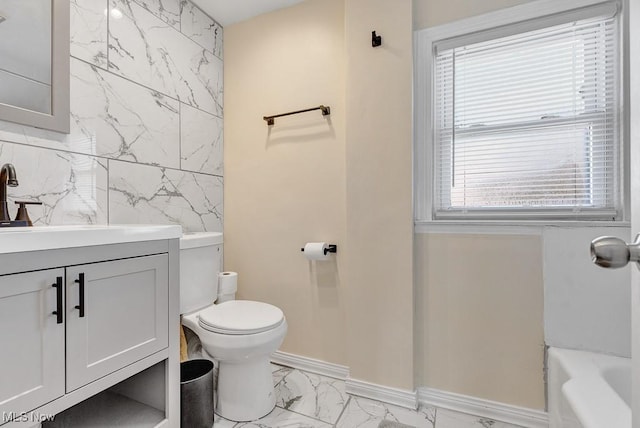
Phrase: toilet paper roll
[227,282]
[315,251]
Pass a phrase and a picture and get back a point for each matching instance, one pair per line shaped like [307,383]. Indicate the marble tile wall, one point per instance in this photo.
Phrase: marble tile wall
[146,134]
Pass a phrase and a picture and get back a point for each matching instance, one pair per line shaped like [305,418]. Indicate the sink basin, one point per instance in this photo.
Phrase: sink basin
[38,238]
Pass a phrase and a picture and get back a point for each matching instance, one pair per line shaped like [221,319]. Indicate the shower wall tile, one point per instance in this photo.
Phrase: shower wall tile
[147,194]
[71,187]
[148,51]
[166,10]
[15,133]
[124,161]
[89,31]
[118,119]
[111,117]
[200,28]
[201,139]
[218,49]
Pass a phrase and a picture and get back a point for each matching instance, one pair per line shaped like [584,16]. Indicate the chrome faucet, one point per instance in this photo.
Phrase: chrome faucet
[7,178]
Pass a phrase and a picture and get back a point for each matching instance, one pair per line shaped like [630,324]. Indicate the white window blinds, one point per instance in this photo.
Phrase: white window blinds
[528,123]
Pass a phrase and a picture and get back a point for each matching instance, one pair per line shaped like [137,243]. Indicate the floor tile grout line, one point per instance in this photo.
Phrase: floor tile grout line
[307,416]
[344,409]
[347,403]
[279,382]
[282,378]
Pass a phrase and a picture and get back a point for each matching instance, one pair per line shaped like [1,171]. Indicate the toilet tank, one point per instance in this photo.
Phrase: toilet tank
[200,263]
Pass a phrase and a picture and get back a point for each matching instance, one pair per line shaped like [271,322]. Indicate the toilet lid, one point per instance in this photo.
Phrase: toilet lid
[240,317]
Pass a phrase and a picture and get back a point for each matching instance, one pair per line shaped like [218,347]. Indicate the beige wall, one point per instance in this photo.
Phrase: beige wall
[379,199]
[480,315]
[348,180]
[479,328]
[429,13]
[309,179]
[284,185]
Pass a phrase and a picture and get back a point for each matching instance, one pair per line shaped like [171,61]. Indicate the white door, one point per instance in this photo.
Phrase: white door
[634,48]
[31,341]
[615,255]
[116,315]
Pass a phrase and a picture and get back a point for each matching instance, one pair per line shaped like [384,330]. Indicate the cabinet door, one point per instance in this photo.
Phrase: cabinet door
[31,340]
[117,314]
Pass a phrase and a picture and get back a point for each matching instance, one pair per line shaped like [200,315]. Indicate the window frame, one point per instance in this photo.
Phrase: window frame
[528,16]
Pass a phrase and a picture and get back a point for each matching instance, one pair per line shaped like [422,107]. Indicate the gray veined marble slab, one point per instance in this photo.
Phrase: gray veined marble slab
[365,413]
[279,372]
[200,28]
[111,117]
[427,416]
[89,31]
[201,140]
[16,133]
[281,418]
[166,10]
[121,120]
[72,187]
[149,194]
[220,422]
[312,395]
[148,51]
[449,419]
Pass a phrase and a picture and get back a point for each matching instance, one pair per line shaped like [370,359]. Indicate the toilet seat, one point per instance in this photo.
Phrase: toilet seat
[239,317]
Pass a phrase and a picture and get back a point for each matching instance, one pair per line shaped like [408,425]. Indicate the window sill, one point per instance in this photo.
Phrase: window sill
[508,227]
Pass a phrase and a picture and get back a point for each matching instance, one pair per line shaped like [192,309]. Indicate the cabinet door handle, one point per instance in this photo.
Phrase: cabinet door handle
[58,311]
[80,282]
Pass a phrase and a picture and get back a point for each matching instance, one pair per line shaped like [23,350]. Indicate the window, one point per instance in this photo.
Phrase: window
[526,120]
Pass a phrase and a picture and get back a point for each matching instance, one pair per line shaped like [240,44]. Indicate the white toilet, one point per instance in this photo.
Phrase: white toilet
[240,334]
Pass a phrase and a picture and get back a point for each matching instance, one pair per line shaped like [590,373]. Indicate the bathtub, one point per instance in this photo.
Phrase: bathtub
[588,390]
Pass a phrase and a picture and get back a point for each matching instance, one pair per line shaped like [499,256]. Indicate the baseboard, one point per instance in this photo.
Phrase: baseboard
[360,388]
[515,415]
[386,394]
[311,365]
[502,412]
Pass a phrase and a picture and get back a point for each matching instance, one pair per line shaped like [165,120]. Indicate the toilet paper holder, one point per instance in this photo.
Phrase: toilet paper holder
[332,248]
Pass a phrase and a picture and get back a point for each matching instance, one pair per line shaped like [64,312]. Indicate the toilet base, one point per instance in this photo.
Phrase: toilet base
[245,389]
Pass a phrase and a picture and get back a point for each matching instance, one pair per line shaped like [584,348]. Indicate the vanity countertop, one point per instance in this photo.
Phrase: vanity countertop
[37,238]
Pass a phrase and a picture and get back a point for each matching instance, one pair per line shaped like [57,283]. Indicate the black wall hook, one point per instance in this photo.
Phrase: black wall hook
[375,40]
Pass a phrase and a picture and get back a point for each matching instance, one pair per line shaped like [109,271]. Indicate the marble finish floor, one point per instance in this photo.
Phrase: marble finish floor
[307,400]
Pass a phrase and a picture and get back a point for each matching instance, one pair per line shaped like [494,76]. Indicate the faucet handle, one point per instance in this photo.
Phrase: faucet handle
[23,215]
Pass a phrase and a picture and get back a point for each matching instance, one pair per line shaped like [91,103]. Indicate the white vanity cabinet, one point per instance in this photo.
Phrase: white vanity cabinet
[84,323]
[116,315]
[32,340]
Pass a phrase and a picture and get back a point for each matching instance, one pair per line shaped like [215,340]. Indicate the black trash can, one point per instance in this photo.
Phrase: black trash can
[196,394]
